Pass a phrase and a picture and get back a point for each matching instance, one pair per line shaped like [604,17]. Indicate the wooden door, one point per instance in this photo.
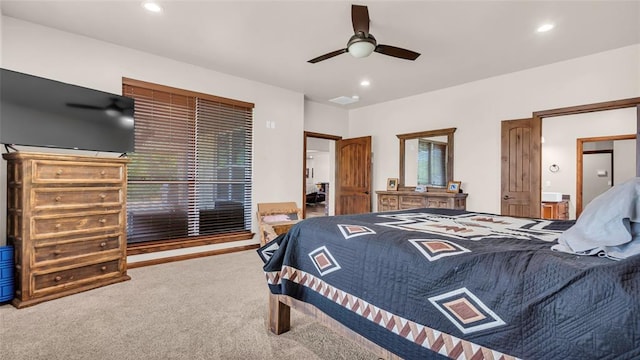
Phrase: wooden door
[518,158]
[353,176]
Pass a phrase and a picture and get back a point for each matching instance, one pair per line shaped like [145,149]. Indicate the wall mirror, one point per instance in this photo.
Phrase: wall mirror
[426,158]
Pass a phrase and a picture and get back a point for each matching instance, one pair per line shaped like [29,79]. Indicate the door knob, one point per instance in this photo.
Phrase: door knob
[506,197]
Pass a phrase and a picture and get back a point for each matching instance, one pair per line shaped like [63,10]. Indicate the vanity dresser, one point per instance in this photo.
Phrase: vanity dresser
[66,218]
[403,200]
[426,157]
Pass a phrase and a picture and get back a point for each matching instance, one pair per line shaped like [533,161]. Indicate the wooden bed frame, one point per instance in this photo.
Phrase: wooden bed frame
[280,322]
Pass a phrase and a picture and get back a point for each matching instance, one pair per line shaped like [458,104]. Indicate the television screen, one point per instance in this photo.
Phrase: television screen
[35,111]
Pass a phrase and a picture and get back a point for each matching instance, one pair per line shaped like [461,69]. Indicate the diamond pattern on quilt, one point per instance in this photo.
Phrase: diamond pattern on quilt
[442,343]
[471,226]
[267,252]
[349,231]
[466,311]
[324,261]
[434,249]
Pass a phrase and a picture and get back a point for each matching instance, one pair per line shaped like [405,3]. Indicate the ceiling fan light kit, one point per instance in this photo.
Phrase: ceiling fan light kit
[362,43]
[361,47]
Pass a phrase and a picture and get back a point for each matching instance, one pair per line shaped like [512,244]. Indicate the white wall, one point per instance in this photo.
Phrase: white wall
[321,167]
[624,160]
[46,52]
[325,119]
[477,109]
[561,133]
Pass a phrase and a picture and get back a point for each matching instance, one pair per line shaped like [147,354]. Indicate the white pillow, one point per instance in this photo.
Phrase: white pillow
[605,222]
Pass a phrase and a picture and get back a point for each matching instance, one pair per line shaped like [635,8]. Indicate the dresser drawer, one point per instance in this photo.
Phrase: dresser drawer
[411,202]
[48,226]
[49,171]
[81,247]
[388,200]
[69,198]
[442,203]
[71,277]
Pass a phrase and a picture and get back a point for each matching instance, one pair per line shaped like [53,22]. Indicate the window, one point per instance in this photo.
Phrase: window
[432,157]
[190,173]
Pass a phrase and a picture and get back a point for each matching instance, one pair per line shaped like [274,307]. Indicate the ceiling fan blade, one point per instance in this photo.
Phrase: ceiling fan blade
[327,56]
[360,19]
[397,52]
[83,106]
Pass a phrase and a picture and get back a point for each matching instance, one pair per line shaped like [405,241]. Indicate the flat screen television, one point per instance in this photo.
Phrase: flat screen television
[35,111]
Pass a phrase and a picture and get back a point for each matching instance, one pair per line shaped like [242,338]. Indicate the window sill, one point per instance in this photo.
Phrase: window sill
[164,245]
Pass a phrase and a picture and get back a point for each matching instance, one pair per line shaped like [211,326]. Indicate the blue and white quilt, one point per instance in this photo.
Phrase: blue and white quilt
[437,283]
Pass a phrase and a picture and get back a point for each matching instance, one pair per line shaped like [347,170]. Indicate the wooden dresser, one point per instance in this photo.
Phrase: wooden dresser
[66,218]
[403,200]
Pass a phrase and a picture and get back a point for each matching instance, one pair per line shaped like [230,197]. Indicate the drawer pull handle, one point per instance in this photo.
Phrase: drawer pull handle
[58,198]
[103,173]
[57,252]
[102,221]
[59,172]
[103,244]
[102,196]
[57,226]
[58,278]
[104,268]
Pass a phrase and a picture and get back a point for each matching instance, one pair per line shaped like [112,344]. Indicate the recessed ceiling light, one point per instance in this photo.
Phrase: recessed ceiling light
[545,27]
[365,83]
[151,6]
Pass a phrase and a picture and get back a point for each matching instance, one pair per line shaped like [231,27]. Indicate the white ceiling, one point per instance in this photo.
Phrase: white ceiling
[271,41]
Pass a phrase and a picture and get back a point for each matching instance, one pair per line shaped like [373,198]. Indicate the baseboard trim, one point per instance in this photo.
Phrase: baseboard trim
[168,259]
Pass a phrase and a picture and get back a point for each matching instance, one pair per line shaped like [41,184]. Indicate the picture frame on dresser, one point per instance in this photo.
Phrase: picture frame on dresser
[453,186]
[392,184]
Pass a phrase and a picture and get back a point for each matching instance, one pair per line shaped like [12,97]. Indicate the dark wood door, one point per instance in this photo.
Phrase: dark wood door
[353,170]
[518,155]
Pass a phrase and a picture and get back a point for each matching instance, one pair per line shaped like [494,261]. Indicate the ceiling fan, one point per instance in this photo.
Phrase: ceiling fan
[113,109]
[362,43]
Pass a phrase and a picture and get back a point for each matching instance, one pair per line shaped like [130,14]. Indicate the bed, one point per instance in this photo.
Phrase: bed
[438,283]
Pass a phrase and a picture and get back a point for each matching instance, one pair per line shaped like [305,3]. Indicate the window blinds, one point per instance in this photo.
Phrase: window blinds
[190,173]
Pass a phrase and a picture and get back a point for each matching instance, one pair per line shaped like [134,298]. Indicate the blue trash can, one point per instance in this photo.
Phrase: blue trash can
[6,273]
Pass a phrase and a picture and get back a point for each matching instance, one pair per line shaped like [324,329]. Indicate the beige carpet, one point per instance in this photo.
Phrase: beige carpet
[207,308]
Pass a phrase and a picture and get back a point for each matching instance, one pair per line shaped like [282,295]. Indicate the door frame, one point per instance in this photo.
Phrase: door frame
[579,165]
[536,161]
[310,134]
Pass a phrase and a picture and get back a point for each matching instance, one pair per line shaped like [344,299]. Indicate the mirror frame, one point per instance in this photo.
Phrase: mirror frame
[440,132]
